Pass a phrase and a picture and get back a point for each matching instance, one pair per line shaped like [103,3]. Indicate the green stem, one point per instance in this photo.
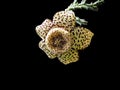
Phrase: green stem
[81,21]
[83,5]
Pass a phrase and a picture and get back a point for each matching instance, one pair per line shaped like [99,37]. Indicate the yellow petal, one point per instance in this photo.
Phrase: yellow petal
[69,57]
[42,46]
[43,29]
[81,38]
[65,19]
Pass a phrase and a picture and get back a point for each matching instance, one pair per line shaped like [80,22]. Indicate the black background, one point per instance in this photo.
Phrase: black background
[25,57]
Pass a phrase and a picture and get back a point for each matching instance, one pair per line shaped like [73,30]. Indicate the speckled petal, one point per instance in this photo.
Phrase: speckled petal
[69,57]
[81,38]
[42,46]
[65,19]
[43,29]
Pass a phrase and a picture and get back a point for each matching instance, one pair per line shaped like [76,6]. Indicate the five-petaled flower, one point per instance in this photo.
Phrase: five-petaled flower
[61,38]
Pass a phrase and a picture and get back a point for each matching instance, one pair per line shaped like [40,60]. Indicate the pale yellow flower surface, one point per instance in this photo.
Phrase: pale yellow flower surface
[62,39]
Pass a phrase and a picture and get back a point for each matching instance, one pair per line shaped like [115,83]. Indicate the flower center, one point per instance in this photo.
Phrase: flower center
[58,40]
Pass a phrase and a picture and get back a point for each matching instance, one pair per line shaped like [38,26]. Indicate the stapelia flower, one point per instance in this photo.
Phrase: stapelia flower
[60,37]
